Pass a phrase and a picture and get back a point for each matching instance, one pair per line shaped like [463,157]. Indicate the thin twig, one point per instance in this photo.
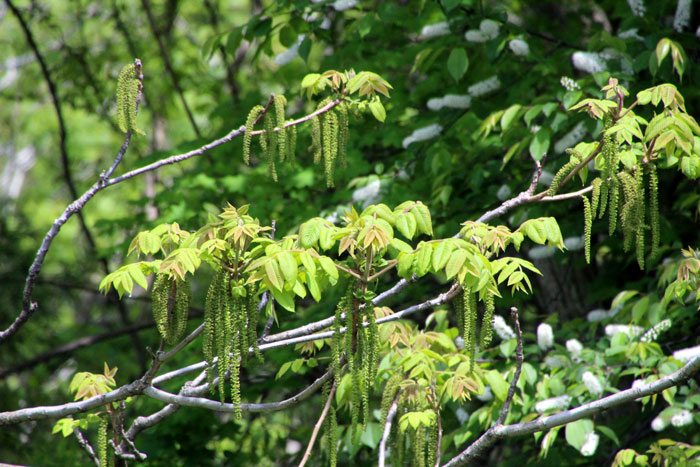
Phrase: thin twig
[317,427]
[387,429]
[518,367]
[85,444]
[438,454]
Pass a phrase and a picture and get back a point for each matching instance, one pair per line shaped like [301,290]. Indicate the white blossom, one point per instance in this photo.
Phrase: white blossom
[422,134]
[554,361]
[630,34]
[453,101]
[569,84]
[659,423]
[291,53]
[489,28]
[545,336]
[637,7]
[487,396]
[597,315]
[342,5]
[631,331]
[637,383]
[368,194]
[575,348]
[503,192]
[687,354]
[462,415]
[519,47]
[653,333]
[682,17]
[574,243]
[682,419]
[540,252]
[589,62]
[484,87]
[456,101]
[535,128]
[435,30]
[474,35]
[553,403]
[592,384]
[292,446]
[590,444]
[504,331]
[570,139]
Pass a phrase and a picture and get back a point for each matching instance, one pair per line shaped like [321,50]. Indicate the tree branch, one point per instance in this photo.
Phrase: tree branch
[518,368]
[28,305]
[498,432]
[387,430]
[85,444]
[317,427]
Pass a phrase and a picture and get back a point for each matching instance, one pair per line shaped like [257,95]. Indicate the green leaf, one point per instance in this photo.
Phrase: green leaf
[405,266]
[305,48]
[313,286]
[457,63]
[308,262]
[540,143]
[662,49]
[499,386]
[423,259]
[406,224]
[310,80]
[377,109]
[287,36]
[309,234]
[441,254]
[288,266]
[423,221]
[137,275]
[284,297]
[576,432]
[329,266]
[455,263]
[272,270]
[509,115]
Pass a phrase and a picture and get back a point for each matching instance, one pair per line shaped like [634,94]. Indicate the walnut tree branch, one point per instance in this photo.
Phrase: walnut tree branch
[498,432]
[317,427]
[387,430]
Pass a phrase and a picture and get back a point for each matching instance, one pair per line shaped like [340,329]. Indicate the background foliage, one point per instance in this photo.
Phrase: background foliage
[206,64]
